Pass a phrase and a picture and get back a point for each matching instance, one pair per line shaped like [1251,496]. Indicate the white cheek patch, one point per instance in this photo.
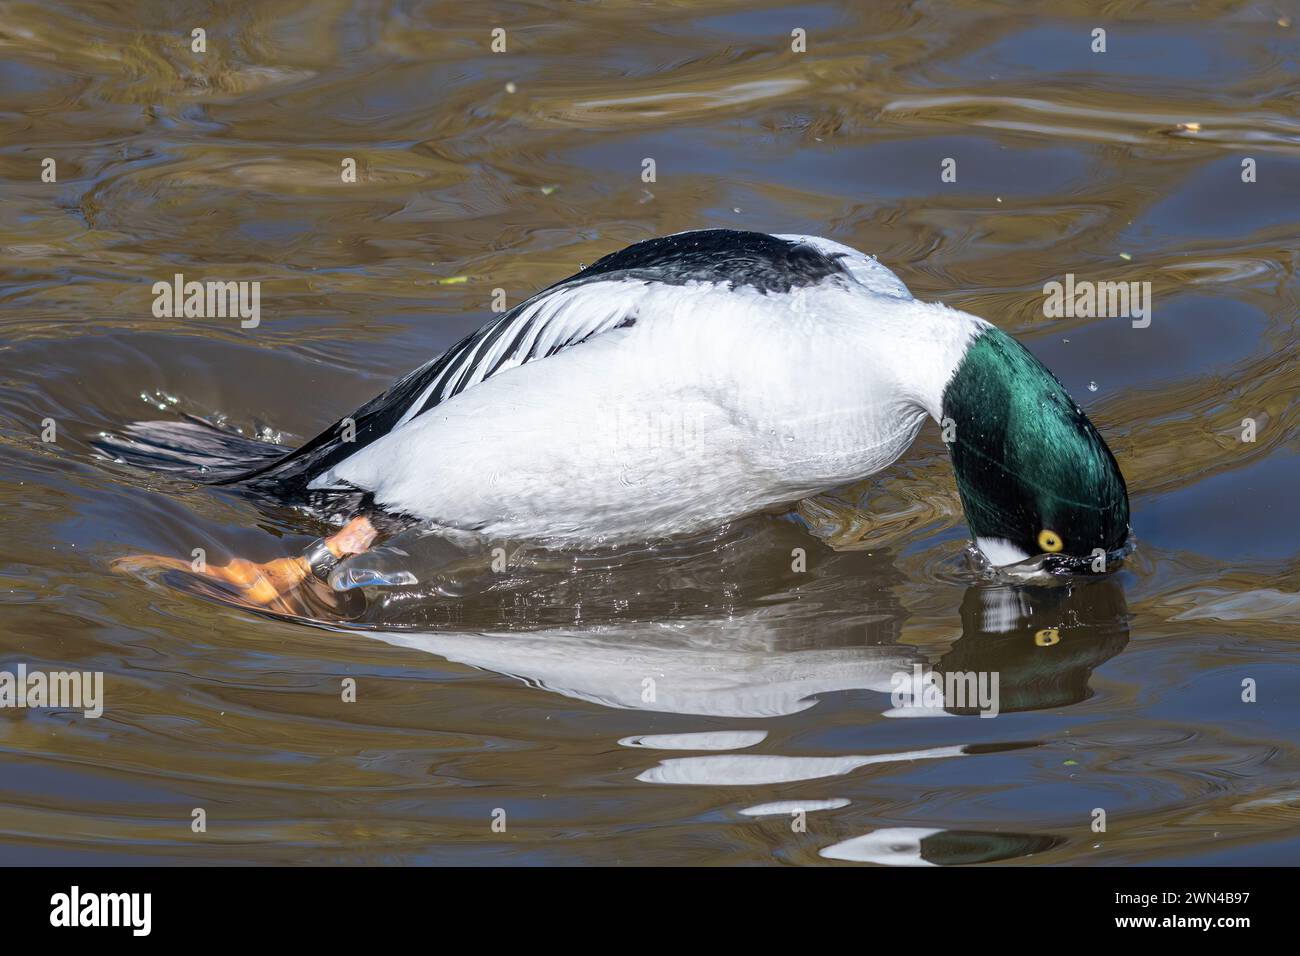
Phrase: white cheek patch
[1000,551]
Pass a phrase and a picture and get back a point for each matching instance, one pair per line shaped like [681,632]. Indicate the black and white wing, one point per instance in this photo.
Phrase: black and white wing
[554,320]
[558,318]
[601,298]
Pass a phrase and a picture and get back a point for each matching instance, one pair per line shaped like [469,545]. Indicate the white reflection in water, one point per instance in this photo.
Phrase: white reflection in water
[676,669]
[751,769]
[704,740]
[921,846]
[786,807]
[896,846]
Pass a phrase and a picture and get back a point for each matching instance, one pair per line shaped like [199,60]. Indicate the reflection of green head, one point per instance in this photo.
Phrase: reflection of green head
[1043,642]
[958,847]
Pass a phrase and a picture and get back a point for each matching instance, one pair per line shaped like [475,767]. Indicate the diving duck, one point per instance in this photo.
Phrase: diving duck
[670,387]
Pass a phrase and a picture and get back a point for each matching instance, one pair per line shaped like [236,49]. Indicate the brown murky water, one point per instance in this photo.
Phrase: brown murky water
[557,694]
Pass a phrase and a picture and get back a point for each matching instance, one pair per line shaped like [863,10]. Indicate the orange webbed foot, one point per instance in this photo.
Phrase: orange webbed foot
[275,585]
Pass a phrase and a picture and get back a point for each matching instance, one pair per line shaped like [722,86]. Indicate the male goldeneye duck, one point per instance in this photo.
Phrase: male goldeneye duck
[670,387]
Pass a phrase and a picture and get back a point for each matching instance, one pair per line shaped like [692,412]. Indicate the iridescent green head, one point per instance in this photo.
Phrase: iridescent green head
[1034,475]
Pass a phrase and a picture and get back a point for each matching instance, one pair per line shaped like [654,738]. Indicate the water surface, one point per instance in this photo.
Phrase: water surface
[661,705]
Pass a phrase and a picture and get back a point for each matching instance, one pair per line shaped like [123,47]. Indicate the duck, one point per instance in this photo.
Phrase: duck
[673,386]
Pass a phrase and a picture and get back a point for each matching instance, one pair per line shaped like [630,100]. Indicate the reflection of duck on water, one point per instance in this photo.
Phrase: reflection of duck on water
[925,846]
[1042,642]
[758,662]
[743,666]
[671,387]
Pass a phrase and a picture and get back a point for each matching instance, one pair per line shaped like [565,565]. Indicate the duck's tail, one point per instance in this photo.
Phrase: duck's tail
[194,450]
[199,451]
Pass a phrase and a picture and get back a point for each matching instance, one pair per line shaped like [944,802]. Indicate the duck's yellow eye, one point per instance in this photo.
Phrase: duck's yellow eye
[1050,541]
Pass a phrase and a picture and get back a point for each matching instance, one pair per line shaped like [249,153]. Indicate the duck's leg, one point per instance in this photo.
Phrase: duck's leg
[270,583]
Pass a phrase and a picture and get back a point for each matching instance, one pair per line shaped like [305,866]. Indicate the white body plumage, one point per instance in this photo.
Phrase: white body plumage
[684,406]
